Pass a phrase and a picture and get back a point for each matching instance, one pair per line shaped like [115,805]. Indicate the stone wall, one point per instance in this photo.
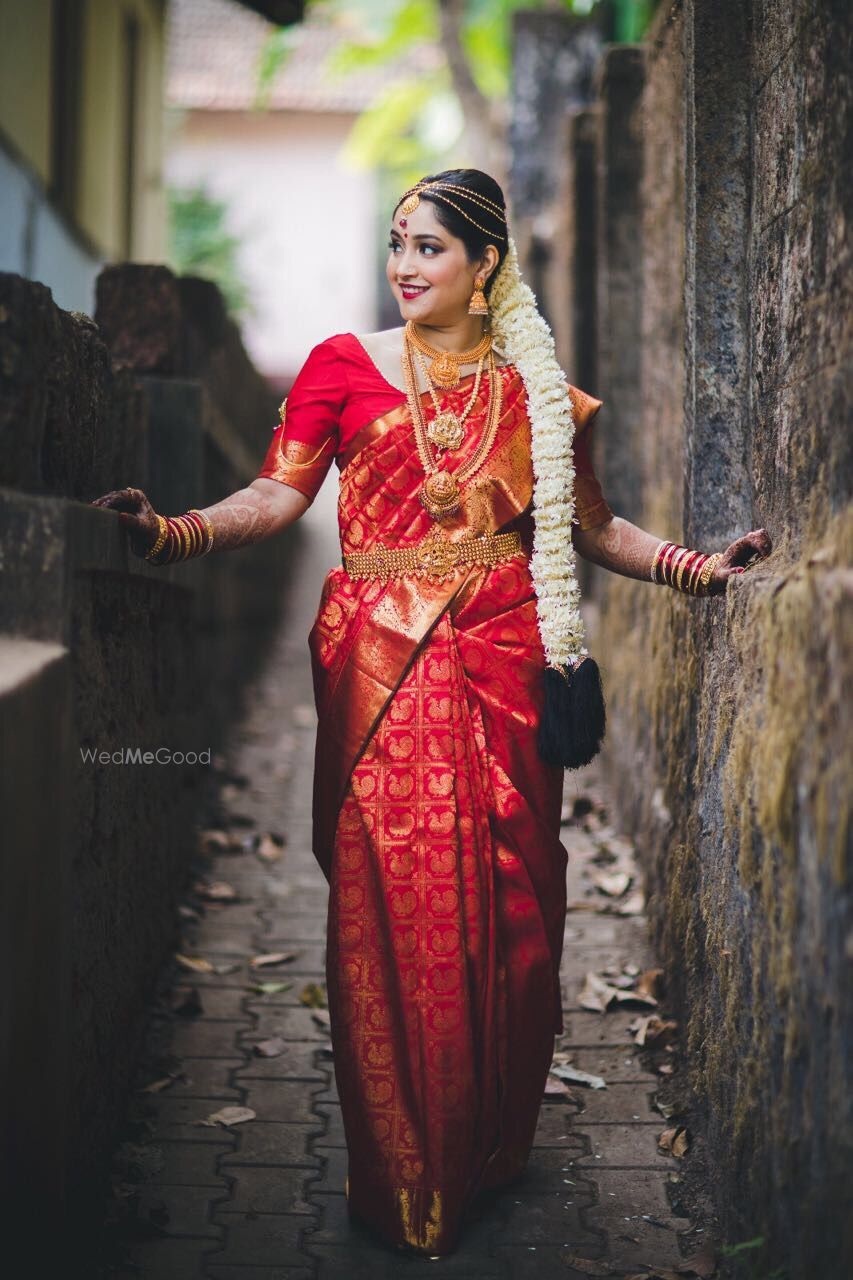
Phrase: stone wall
[100,651]
[724,314]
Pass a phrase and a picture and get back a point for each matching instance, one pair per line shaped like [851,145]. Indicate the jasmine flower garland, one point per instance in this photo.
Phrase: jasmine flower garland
[522,334]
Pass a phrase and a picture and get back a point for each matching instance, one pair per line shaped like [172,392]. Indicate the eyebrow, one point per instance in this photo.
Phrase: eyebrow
[425,236]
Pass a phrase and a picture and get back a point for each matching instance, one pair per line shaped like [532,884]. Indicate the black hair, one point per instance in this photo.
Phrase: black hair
[495,229]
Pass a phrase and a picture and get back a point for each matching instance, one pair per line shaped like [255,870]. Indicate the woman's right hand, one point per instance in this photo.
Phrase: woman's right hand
[136,515]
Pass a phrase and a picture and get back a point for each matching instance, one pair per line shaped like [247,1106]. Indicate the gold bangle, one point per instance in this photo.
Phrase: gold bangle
[695,569]
[707,571]
[157,547]
[181,534]
[208,524]
[676,565]
[655,560]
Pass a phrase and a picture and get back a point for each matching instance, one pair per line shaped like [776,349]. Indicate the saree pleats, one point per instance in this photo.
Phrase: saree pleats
[438,827]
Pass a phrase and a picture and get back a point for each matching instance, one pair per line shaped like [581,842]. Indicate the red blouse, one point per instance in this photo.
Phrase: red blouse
[339,390]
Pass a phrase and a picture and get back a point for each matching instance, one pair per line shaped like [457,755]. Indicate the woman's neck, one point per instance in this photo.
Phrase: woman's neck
[463,335]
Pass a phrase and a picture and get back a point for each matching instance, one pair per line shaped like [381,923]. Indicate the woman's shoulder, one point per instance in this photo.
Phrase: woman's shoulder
[584,407]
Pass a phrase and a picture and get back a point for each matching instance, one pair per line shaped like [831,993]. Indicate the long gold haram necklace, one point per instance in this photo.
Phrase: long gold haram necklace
[440,491]
[446,430]
[444,370]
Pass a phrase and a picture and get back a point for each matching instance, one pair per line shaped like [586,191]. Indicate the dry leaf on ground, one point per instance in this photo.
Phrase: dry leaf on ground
[674,1142]
[652,1029]
[272,958]
[613,883]
[216,891]
[589,1266]
[313,995]
[197,964]
[555,1088]
[214,840]
[634,905]
[270,847]
[272,1048]
[650,982]
[228,1116]
[597,994]
[157,1086]
[271,988]
[703,1263]
[573,1076]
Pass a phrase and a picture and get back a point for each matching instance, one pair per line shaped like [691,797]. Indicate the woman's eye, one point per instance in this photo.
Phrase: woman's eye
[393,244]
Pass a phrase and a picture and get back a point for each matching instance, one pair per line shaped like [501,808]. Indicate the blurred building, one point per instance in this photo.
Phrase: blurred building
[307,224]
[81,137]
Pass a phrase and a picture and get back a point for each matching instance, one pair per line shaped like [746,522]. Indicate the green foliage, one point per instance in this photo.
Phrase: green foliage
[275,51]
[630,19]
[740,1252]
[200,244]
[415,125]
[410,22]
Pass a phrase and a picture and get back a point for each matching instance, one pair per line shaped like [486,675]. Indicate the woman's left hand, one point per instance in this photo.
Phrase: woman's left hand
[741,555]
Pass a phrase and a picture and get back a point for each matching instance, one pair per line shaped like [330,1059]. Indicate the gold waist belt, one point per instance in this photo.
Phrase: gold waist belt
[433,557]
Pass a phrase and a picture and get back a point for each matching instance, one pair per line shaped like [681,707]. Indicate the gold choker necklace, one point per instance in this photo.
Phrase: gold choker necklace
[444,370]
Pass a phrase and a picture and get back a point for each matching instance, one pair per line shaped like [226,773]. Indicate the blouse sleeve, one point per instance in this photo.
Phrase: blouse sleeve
[307,438]
[591,508]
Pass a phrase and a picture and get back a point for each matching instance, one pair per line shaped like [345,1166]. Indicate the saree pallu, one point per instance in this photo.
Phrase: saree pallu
[437,826]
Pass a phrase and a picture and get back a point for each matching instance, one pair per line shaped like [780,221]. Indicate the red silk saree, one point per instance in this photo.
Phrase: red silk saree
[435,821]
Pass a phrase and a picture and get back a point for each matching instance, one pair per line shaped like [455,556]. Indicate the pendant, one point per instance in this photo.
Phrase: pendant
[445,431]
[444,371]
[440,494]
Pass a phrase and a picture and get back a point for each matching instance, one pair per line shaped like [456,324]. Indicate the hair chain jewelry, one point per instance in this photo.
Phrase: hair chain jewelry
[412,199]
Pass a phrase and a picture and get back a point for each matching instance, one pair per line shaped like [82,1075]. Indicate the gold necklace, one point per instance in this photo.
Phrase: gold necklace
[447,429]
[440,491]
[444,369]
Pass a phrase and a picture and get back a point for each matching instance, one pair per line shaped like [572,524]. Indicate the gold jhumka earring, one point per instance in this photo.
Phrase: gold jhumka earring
[479,304]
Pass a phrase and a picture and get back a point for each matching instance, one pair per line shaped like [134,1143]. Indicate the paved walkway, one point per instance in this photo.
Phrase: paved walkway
[264,1199]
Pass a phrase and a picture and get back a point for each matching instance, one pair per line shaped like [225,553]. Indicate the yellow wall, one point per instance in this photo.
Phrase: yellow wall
[26,92]
[103,128]
[25,76]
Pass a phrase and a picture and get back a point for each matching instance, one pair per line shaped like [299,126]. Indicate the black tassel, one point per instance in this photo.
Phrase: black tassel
[573,715]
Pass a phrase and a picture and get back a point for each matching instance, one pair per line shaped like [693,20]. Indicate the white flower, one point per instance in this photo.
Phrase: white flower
[522,334]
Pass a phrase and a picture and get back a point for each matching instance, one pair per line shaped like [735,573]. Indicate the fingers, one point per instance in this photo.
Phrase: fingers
[747,550]
[121,500]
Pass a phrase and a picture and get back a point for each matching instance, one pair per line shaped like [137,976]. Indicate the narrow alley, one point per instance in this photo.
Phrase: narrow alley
[251,254]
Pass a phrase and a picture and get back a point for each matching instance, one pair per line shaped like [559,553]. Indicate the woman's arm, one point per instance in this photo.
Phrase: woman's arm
[252,514]
[249,515]
[624,548]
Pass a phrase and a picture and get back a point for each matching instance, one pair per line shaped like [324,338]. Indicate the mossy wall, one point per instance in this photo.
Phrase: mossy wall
[729,744]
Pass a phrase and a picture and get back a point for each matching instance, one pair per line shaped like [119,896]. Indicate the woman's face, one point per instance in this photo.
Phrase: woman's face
[428,268]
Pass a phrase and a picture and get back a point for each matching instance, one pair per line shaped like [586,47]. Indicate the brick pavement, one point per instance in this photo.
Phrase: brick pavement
[264,1200]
